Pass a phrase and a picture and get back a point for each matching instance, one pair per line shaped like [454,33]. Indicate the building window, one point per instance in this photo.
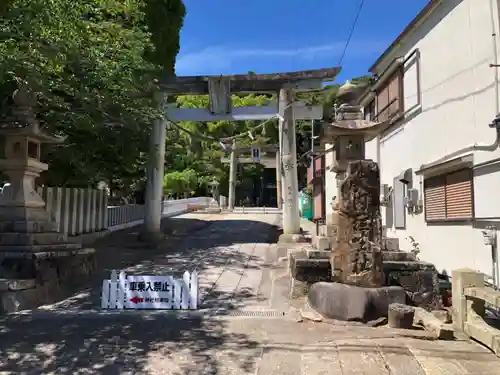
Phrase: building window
[449,197]
[390,97]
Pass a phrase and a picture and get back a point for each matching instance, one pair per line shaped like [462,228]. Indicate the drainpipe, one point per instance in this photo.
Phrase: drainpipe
[379,153]
[495,49]
[496,122]
[490,238]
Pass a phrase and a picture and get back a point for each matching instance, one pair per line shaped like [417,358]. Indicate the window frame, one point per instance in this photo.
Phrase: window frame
[443,177]
[379,112]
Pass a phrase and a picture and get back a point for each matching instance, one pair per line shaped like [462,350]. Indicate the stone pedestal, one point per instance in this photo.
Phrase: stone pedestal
[36,262]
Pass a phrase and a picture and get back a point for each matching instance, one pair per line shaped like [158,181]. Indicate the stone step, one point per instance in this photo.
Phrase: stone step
[397,265]
[26,239]
[317,254]
[321,242]
[23,226]
[310,269]
[390,243]
[40,250]
[399,256]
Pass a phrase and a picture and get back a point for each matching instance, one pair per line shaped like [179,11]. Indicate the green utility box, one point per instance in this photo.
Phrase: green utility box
[306,206]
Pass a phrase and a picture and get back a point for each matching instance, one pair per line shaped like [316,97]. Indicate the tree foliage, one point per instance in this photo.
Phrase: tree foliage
[92,65]
[180,183]
[201,150]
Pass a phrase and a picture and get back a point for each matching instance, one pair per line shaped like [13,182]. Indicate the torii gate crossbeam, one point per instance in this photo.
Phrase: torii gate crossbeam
[220,90]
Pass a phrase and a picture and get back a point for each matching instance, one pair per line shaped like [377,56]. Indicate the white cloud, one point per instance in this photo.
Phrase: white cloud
[217,58]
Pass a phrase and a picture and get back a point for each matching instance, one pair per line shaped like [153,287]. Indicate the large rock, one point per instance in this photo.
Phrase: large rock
[353,303]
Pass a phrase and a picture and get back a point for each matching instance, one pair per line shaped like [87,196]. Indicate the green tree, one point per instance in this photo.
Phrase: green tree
[180,183]
[92,65]
[200,150]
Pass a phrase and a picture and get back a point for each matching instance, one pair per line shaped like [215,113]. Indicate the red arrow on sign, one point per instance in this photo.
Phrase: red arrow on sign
[136,300]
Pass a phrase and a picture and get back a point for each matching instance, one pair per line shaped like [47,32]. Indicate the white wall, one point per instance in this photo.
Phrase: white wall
[458,101]
[330,184]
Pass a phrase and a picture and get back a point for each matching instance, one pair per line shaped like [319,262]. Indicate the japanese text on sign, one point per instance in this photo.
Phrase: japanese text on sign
[155,292]
[145,286]
[123,291]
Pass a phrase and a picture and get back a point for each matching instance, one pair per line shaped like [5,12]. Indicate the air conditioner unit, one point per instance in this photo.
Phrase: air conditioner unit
[413,202]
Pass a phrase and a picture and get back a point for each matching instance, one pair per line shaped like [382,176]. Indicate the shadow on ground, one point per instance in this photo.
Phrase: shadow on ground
[190,244]
[141,343]
[129,342]
[62,341]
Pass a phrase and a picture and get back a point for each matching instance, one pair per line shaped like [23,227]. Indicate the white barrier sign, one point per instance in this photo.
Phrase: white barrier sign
[150,292]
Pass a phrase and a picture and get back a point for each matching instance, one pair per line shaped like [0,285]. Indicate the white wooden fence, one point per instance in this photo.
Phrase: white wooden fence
[78,211]
[133,214]
[170,294]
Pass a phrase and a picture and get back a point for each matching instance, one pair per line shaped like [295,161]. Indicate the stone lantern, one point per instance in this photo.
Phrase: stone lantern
[21,138]
[356,256]
[214,188]
[215,203]
[36,261]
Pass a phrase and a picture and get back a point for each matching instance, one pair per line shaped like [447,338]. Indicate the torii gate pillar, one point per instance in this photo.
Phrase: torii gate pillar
[233,164]
[220,89]
[289,175]
[279,189]
[154,182]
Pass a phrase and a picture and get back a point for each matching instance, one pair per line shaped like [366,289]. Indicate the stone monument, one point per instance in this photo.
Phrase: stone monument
[36,262]
[356,253]
[365,279]
[357,290]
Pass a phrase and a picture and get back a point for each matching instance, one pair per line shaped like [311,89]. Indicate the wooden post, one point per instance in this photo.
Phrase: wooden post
[73,211]
[105,210]
[93,210]
[66,211]
[57,207]
[81,211]
[291,218]
[88,210]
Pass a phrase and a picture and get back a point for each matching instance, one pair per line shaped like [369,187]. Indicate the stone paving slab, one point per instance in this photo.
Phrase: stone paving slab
[165,344]
[235,257]
[220,247]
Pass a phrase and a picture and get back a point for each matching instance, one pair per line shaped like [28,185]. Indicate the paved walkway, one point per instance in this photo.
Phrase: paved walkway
[254,331]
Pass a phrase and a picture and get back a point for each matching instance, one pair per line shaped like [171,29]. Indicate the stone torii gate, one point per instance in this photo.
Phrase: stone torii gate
[220,90]
[268,162]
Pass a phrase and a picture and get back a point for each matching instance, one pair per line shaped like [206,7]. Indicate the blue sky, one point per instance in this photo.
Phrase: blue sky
[266,36]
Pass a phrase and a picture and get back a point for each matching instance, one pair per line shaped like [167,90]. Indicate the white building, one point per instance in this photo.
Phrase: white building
[441,155]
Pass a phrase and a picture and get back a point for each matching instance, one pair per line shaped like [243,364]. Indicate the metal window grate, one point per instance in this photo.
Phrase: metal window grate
[449,197]
[459,195]
[435,199]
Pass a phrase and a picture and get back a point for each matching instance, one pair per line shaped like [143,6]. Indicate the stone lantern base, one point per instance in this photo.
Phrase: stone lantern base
[38,265]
